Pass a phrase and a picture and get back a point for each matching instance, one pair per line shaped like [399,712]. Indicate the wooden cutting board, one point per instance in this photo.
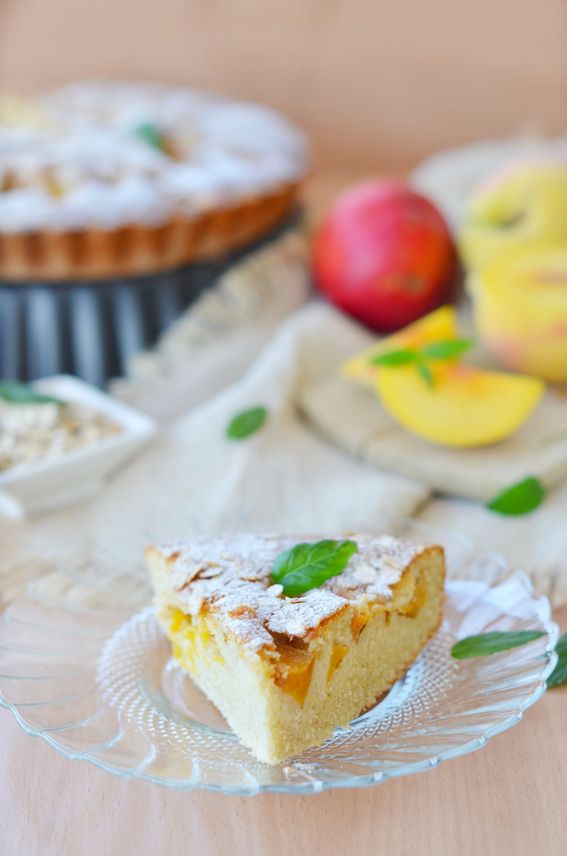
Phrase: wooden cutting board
[353,418]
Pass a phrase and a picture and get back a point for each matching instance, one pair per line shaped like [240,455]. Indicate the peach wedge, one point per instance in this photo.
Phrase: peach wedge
[437,326]
[464,407]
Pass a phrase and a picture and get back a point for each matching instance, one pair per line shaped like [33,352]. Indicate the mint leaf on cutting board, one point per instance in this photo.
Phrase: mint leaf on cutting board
[402,357]
[426,374]
[446,349]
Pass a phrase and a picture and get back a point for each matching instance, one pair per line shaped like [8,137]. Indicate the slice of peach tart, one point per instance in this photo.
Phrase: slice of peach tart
[290,640]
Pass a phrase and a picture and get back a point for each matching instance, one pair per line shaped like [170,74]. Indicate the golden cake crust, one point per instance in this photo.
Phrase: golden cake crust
[230,577]
[138,249]
[111,179]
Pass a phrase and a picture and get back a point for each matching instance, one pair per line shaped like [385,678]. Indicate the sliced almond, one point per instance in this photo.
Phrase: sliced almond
[190,575]
[212,571]
[275,591]
[251,577]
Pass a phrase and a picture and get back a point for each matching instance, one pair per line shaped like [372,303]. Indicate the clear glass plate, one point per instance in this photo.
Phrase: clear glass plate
[98,684]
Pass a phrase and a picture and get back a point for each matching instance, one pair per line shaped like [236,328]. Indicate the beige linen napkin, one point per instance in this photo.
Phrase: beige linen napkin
[286,477]
[221,334]
[283,478]
[536,543]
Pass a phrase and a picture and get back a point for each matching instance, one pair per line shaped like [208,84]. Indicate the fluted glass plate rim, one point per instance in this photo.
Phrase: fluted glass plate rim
[315,785]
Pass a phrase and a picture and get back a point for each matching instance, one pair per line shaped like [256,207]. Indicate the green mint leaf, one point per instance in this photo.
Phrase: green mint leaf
[246,423]
[151,134]
[402,357]
[558,677]
[492,643]
[425,372]
[446,349]
[520,498]
[307,566]
[15,392]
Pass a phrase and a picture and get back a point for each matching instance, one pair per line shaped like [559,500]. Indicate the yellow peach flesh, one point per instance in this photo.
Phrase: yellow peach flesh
[466,407]
[338,654]
[295,676]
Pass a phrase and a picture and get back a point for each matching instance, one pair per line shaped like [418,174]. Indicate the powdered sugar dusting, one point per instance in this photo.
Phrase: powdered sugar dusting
[241,593]
[73,159]
[375,569]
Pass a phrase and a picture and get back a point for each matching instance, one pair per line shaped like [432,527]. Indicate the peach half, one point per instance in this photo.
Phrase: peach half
[464,407]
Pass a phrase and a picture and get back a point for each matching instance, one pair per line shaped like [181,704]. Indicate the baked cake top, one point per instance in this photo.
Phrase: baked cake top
[231,574]
[107,154]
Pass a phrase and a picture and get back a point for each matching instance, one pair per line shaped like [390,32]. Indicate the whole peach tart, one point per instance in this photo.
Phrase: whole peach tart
[118,179]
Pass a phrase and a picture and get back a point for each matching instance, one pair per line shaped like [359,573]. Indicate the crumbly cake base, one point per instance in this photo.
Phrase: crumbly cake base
[137,250]
[281,704]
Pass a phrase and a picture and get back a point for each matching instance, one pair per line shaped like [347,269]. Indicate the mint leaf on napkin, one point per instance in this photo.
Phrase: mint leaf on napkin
[246,423]
[520,498]
[307,566]
[558,677]
[492,643]
[15,392]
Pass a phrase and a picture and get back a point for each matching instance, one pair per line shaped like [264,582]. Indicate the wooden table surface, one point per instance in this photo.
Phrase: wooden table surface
[379,83]
[508,798]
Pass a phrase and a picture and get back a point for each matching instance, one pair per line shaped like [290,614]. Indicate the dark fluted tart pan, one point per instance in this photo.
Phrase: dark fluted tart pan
[92,328]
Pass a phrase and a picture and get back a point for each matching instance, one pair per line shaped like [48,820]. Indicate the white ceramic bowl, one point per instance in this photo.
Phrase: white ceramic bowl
[77,474]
